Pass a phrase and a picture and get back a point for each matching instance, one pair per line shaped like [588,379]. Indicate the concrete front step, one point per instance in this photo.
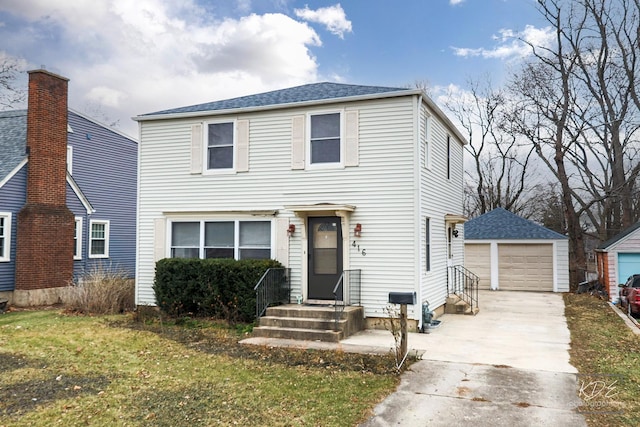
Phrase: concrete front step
[306,322]
[455,305]
[300,323]
[298,334]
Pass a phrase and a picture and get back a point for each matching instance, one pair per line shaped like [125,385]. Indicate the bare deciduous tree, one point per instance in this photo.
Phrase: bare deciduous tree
[501,175]
[11,94]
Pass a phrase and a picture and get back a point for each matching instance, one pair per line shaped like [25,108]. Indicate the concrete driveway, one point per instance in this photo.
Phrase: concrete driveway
[506,366]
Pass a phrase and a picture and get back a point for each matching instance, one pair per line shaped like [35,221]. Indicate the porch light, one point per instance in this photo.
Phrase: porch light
[357,230]
[291,230]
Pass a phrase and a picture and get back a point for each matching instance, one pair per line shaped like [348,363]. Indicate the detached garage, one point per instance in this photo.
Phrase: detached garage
[511,253]
[618,258]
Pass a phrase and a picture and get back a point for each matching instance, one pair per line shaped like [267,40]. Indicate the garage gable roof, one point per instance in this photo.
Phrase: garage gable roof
[500,224]
[618,237]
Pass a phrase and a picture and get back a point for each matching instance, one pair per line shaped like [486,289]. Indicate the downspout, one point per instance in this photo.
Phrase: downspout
[418,210]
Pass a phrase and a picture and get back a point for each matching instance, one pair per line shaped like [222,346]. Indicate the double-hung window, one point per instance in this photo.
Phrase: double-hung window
[5,236]
[77,238]
[221,239]
[427,249]
[220,141]
[325,138]
[99,239]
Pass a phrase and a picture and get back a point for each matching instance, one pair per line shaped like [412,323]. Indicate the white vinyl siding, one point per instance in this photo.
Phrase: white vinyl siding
[5,236]
[439,196]
[383,188]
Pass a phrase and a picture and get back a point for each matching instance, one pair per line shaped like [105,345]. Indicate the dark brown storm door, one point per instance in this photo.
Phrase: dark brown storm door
[325,256]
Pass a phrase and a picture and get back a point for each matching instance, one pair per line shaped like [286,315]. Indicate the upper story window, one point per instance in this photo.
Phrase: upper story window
[427,144]
[448,157]
[220,141]
[5,236]
[221,239]
[325,137]
[99,239]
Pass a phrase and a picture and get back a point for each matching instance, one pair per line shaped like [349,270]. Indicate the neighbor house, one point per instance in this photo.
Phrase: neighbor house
[67,195]
[511,253]
[325,178]
[618,258]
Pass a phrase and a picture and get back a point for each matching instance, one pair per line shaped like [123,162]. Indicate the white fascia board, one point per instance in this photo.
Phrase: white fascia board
[13,172]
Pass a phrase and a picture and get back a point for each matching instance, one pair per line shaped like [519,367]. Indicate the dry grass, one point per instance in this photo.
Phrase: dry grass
[60,369]
[101,291]
[605,352]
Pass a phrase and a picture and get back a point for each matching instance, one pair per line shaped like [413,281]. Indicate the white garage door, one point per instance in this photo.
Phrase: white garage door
[477,259]
[525,267]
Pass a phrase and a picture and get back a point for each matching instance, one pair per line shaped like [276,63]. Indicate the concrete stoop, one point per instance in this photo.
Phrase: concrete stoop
[309,323]
[455,305]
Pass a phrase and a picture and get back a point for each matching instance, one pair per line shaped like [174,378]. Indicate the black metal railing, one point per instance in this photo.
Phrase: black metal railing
[351,281]
[273,288]
[463,283]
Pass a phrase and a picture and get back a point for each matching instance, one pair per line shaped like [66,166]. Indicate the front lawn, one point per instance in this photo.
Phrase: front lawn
[60,369]
[607,355]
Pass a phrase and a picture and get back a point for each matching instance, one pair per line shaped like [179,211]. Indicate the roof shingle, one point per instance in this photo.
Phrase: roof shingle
[13,140]
[500,224]
[304,93]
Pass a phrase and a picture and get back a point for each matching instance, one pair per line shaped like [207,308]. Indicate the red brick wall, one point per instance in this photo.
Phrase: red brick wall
[44,248]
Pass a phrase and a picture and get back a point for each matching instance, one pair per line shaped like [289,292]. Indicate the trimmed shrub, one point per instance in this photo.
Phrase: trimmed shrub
[219,288]
[101,291]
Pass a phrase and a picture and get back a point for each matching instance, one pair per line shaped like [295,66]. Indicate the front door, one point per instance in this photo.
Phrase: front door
[325,256]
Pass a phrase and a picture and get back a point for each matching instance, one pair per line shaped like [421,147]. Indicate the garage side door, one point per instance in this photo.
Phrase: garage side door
[525,267]
[628,265]
[477,259]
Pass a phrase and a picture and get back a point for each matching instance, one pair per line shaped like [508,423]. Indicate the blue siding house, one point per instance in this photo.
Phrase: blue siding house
[101,185]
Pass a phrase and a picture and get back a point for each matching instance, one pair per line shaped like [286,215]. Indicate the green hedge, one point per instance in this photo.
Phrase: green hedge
[220,288]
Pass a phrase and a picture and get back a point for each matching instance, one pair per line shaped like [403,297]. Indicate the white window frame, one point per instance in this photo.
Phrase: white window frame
[70,159]
[427,142]
[205,147]
[106,238]
[5,254]
[332,165]
[77,239]
[236,234]
[448,157]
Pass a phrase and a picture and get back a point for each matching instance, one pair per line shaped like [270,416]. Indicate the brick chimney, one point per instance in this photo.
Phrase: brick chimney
[44,248]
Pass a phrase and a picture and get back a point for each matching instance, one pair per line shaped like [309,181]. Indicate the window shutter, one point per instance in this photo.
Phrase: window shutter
[297,142]
[242,146]
[196,149]
[159,239]
[351,139]
[282,241]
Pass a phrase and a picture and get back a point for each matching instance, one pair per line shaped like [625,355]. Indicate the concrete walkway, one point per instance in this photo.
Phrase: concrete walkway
[506,366]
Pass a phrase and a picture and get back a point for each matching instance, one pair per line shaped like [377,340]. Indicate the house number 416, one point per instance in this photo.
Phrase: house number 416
[357,246]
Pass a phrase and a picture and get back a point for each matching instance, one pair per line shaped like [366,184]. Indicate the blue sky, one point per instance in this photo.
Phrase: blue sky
[126,58]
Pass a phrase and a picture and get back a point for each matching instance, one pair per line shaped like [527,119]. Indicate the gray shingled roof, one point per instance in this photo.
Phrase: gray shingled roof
[13,140]
[500,224]
[298,94]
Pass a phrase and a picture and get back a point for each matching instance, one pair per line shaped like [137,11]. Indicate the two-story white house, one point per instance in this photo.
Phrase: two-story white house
[324,177]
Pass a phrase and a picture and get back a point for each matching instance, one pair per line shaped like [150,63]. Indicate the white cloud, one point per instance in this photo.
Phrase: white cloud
[455,2]
[144,56]
[333,17]
[511,44]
